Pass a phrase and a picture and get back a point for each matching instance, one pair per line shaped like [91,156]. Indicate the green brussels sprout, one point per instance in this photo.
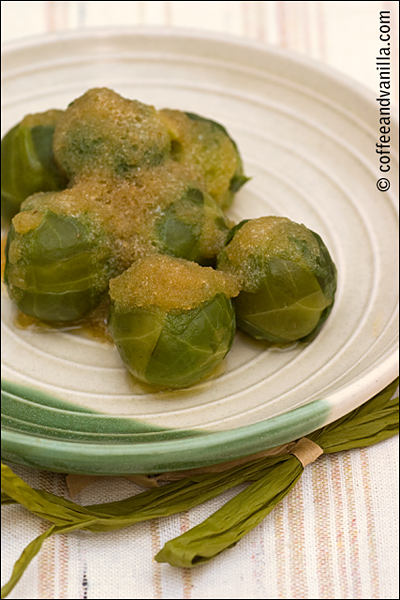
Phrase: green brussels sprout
[288,279]
[208,152]
[57,265]
[192,227]
[171,320]
[102,131]
[27,161]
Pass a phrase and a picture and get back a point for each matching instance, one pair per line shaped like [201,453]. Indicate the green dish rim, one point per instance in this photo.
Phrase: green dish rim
[166,455]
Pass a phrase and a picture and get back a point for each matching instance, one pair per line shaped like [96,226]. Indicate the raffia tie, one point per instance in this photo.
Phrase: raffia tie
[306,451]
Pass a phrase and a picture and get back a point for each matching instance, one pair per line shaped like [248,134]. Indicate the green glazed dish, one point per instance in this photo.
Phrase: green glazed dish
[68,402]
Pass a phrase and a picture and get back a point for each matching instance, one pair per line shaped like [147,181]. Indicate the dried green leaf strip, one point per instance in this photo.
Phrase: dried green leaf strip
[370,423]
[5,499]
[374,421]
[229,524]
[30,552]
[274,476]
[43,504]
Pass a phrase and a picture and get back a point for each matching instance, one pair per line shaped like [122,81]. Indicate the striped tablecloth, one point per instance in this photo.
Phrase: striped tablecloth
[336,534]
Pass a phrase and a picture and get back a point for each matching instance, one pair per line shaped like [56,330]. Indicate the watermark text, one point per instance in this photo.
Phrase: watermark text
[383,67]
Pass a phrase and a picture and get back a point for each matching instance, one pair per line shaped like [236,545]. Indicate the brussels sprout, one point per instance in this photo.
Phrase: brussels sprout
[192,227]
[104,131]
[210,154]
[171,320]
[57,266]
[288,279]
[27,161]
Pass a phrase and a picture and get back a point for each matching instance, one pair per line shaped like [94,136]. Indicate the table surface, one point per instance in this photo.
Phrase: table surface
[336,534]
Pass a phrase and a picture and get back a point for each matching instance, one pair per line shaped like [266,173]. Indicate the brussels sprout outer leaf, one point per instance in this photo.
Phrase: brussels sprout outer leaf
[234,229]
[287,305]
[192,343]
[42,137]
[135,333]
[196,117]
[237,182]
[326,273]
[54,308]
[62,270]
[180,229]
[27,166]
[176,237]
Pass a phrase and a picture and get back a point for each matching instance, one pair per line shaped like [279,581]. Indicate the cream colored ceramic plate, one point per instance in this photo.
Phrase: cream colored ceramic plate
[308,138]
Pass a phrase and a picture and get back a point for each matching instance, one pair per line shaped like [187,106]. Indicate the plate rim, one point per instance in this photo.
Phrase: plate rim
[249,435]
[101,32]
